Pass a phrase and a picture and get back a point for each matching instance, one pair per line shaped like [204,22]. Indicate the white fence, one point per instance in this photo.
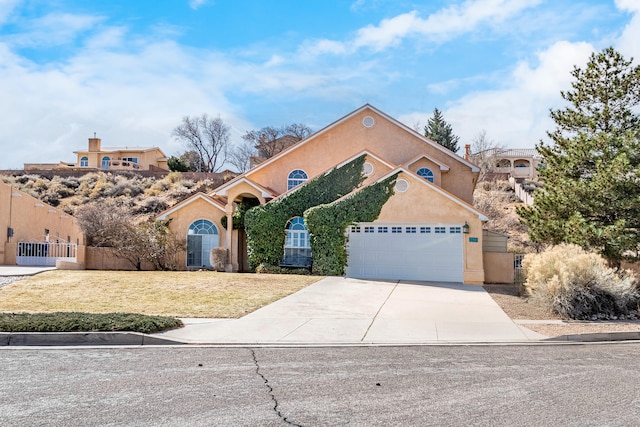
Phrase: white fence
[523,195]
[45,253]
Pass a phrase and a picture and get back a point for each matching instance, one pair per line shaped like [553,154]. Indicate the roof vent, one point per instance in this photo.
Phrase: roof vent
[368,122]
[401,186]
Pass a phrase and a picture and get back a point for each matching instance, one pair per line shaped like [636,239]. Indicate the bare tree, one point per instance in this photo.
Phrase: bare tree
[297,130]
[112,226]
[208,137]
[485,152]
[240,155]
[269,141]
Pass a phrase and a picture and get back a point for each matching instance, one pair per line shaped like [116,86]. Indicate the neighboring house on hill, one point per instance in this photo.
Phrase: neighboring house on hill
[110,158]
[427,230]
[34,233]
[517,162]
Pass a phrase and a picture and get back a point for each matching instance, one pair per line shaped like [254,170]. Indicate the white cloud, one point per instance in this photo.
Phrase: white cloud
[440,26]
[516,115]
[629,5]
[196,4]
[54,29]
[54,108]
[627,43]
[6,9]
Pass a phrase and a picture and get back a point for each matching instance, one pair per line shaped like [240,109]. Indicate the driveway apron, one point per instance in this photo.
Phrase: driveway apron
[338,310]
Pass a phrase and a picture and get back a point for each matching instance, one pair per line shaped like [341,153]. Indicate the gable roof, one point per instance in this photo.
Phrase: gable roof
[223,190]
[442,166]
[327,128]
[198,196]
[439,190]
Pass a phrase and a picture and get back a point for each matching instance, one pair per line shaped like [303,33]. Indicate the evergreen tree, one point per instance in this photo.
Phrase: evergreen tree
[591,193]
[441,132]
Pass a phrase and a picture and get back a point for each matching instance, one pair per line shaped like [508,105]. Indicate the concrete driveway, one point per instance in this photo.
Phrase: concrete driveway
[17,270]
[338,310]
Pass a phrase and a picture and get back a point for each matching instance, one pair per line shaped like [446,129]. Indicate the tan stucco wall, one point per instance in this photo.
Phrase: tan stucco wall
[29,217]
[243,189]
[187,214]
[103,259]
[145,158]
[426,163]
[423,204]
[349,138]
[498,267]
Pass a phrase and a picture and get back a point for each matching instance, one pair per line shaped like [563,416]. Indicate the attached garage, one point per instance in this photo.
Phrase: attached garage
[430,252]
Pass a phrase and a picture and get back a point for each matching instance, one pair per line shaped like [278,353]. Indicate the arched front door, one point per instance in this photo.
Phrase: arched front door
[201,238]
[105,162]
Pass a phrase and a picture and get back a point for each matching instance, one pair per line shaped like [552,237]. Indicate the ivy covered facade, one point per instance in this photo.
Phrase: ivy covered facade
[365,197]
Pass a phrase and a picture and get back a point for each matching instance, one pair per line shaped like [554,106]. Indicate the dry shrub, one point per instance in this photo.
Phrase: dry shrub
[218,258]
[579,285]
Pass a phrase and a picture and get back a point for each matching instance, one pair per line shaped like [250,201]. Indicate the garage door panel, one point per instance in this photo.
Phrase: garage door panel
[406,256]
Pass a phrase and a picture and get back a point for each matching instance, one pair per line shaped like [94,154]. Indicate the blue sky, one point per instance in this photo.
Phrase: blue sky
[130,70]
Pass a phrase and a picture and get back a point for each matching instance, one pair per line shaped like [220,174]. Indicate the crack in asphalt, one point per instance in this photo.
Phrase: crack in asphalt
[273,396]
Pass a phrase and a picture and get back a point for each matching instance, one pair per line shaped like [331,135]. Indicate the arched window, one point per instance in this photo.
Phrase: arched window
[425,173]
[296,178]
[297,247]
[521,164]
[84,162]
[105,162]
[201,238]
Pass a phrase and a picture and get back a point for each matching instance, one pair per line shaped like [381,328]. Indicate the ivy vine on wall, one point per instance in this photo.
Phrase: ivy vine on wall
[265,225]
[327,224]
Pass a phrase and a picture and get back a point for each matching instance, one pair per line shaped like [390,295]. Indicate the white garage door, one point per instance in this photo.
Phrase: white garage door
[405,251]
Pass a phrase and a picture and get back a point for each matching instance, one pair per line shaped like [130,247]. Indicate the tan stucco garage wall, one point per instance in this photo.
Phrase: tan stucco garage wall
[421,203]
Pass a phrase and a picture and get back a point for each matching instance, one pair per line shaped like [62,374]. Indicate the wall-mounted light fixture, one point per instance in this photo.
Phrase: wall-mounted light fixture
[465,228]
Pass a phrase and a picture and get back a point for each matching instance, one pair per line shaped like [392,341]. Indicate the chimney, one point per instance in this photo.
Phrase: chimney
[467,151]
[94,143]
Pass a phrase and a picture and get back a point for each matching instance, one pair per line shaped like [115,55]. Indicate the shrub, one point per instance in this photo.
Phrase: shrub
[218,258]
[85,322]
[151,205]
[271,269]
[579,285]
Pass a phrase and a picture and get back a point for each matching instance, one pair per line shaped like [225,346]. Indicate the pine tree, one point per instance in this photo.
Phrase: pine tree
[441,132]
[591,193]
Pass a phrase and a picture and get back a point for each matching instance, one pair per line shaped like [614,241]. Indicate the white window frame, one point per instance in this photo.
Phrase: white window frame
[295,178]
[426,173]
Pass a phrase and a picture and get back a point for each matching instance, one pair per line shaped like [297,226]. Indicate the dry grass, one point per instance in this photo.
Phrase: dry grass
[177,294]
[506,296]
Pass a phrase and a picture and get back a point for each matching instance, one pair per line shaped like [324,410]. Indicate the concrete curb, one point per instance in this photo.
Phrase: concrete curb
[62,339]
[598,337]
[81,339]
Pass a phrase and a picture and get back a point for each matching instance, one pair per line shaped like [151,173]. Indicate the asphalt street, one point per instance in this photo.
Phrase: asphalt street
[542,385]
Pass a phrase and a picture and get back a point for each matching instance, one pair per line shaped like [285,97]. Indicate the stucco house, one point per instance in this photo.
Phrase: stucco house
[110,158]
[427,230]
[35,233]
[518,163]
